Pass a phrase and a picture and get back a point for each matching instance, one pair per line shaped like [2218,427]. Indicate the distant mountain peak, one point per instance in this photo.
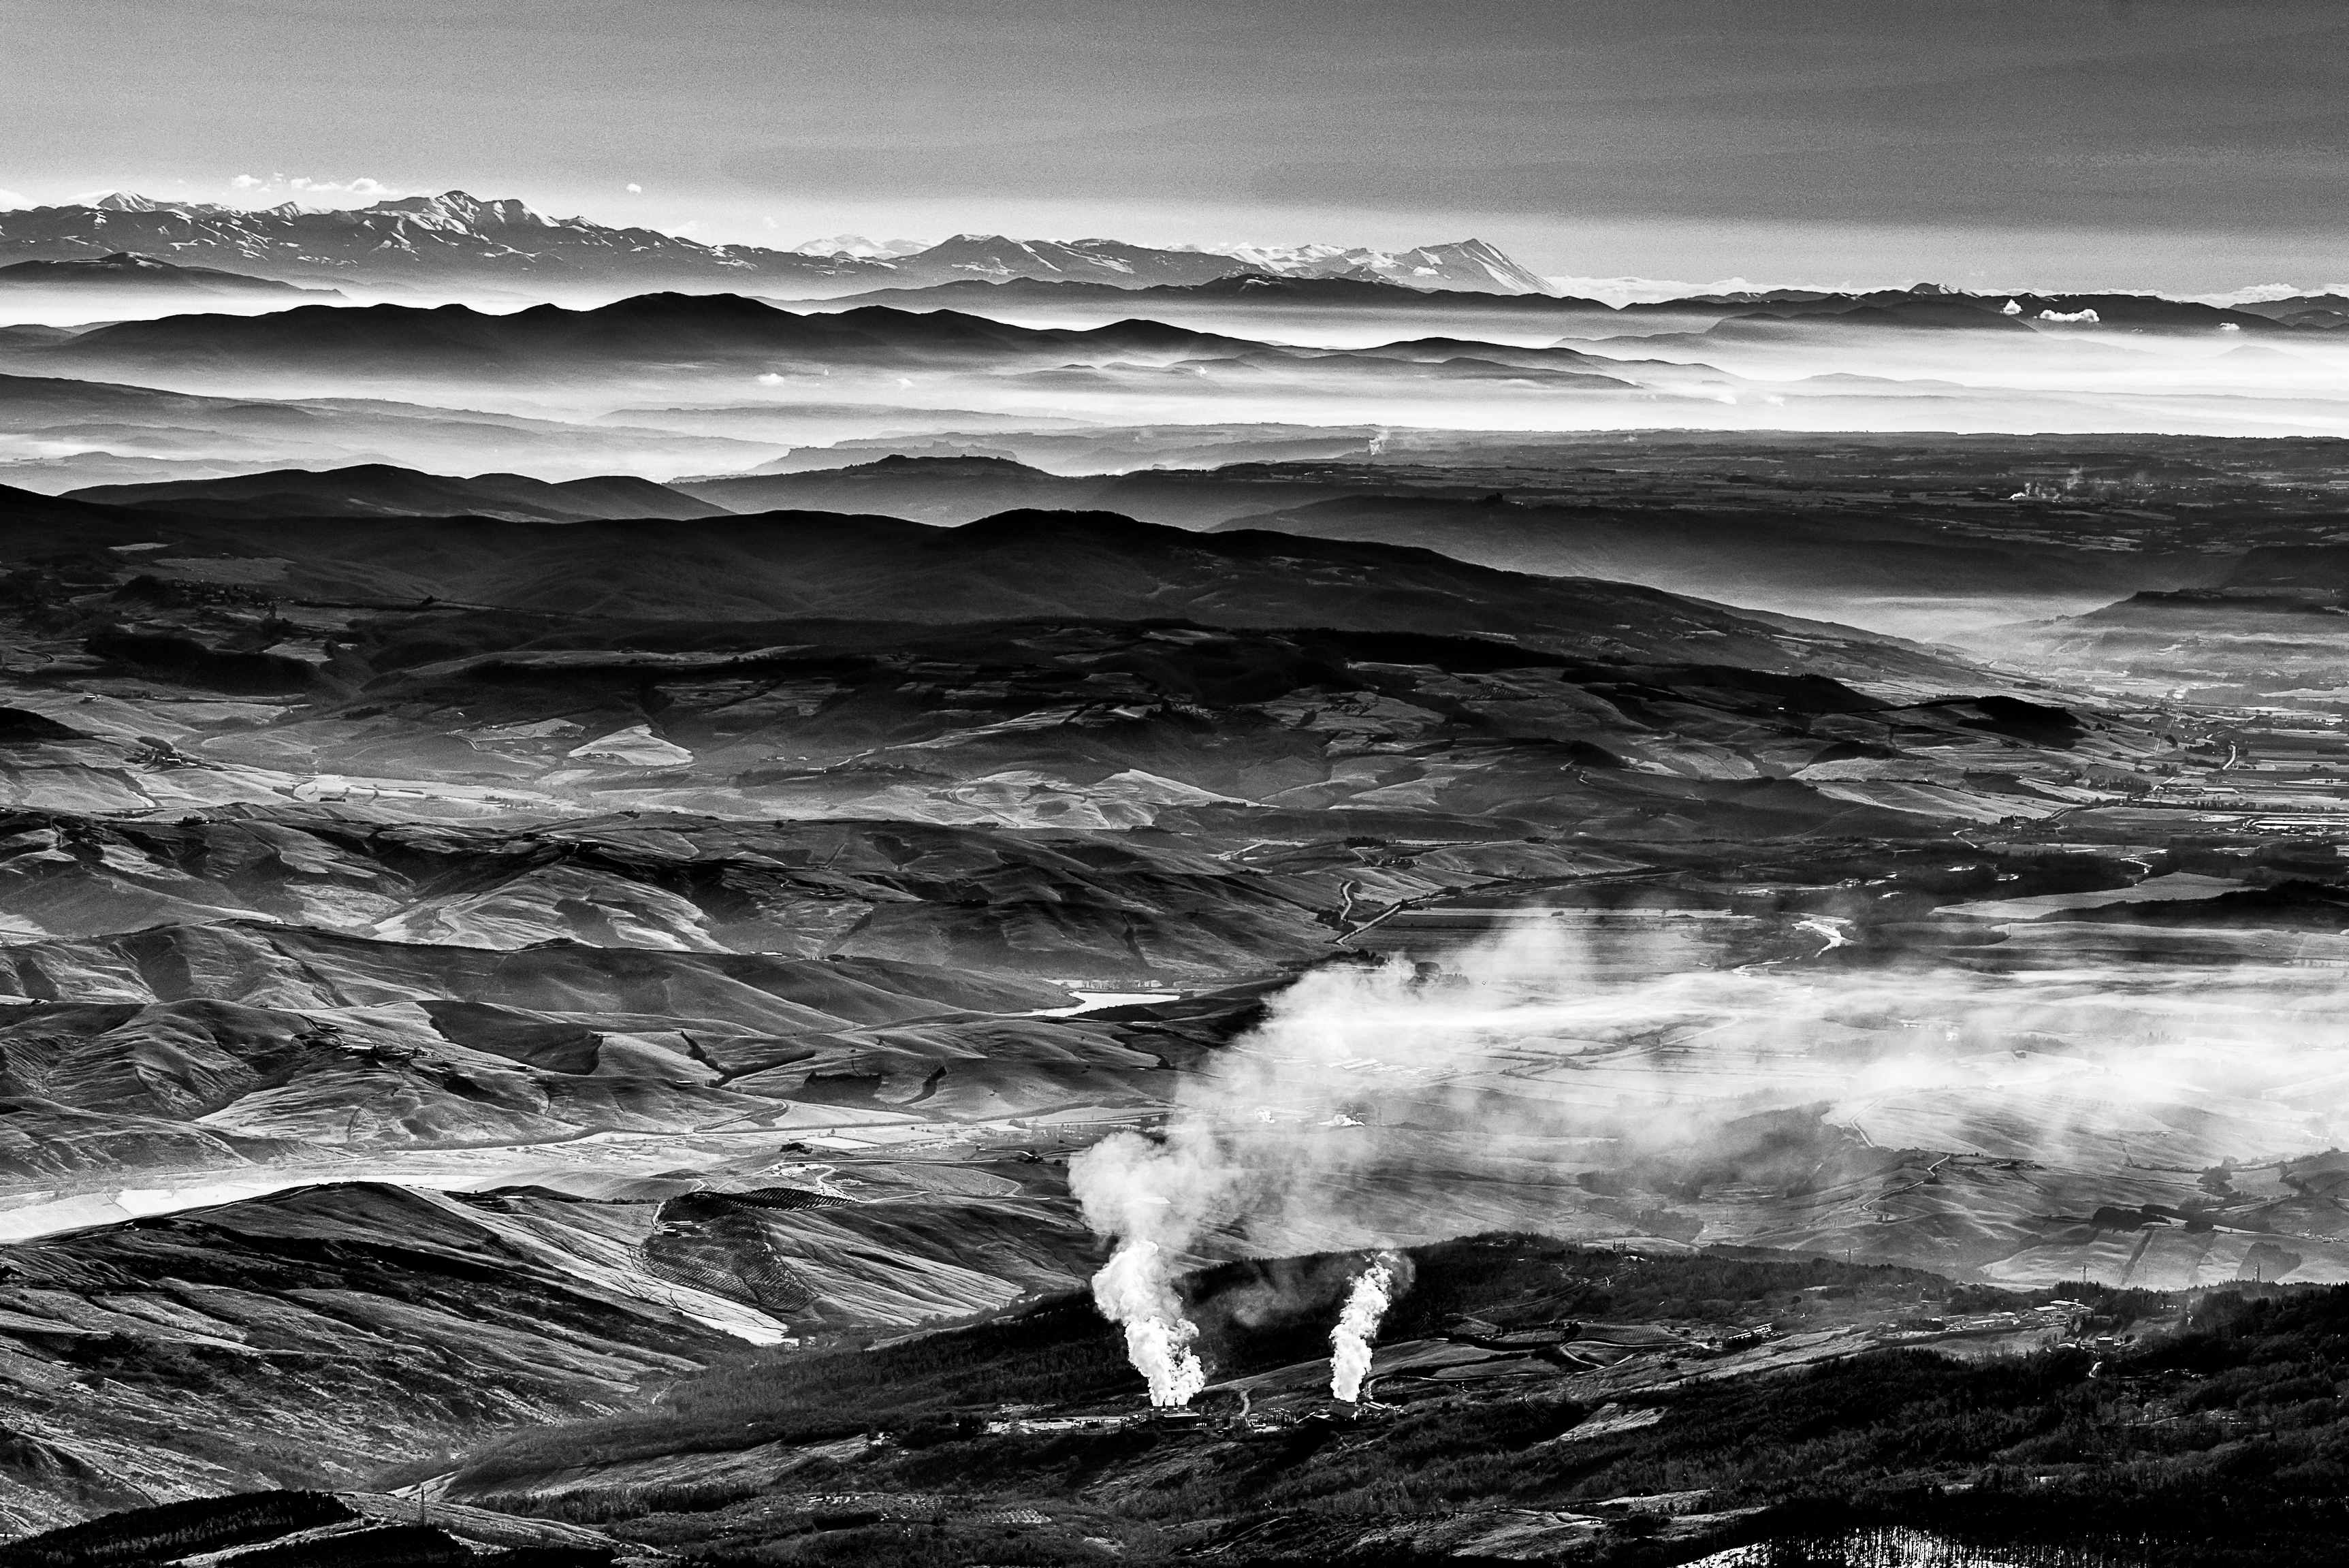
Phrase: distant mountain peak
[1461,260]
[1470,264]
[464,208]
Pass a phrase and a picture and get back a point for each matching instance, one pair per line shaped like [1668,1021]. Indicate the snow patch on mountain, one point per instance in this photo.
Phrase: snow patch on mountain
[859,246]
[1474,265]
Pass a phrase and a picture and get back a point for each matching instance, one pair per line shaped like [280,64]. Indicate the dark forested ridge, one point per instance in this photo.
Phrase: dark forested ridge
[2149,1428]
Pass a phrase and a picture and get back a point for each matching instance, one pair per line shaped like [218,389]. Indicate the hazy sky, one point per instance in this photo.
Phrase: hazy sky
[2200,144]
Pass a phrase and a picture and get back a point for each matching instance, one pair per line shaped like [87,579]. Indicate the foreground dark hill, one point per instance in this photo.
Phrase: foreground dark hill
[1530,1402]
[322,1332]
[379,489]
[1937,535]
[344,1528]
[1786,554]
[1086,564]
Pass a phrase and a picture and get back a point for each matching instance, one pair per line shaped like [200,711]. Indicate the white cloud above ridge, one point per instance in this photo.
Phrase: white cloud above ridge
[360,187]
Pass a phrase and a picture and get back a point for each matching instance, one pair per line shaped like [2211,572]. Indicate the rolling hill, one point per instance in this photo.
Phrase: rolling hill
[1093,564]
[122,271]
[378,489]
[646,330]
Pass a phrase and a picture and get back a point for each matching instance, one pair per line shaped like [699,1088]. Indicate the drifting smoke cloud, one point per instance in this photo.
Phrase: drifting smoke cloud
[1373,1292]
[1375,1108]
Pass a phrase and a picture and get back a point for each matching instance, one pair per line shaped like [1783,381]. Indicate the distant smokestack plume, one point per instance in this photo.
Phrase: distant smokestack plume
[1134,1291]
[1374,1291]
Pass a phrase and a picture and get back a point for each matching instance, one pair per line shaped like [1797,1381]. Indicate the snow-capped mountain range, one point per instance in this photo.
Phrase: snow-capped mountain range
[458,239]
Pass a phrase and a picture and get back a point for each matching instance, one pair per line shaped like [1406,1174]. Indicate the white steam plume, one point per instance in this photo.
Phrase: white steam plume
[1357,1325]
[1133,1289]
[1150,1196]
